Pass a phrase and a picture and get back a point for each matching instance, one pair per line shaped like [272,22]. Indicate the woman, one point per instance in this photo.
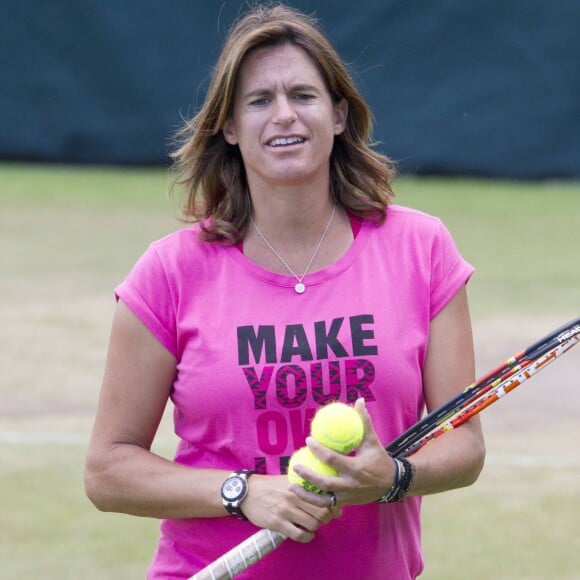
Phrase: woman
[298,284]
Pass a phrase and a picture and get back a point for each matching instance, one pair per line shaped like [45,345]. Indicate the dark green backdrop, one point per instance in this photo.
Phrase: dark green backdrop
[457,86]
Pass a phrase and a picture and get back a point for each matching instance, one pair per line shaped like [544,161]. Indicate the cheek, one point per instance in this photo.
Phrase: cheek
[327,136]
[250,151]
[248,133]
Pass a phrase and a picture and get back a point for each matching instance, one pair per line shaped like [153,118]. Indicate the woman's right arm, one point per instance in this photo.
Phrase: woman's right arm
[123,475]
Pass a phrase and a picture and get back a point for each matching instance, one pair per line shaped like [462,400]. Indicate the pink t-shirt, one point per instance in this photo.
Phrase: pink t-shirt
[255,360]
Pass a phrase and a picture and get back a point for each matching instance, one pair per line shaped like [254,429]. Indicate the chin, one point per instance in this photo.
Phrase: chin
[294,175]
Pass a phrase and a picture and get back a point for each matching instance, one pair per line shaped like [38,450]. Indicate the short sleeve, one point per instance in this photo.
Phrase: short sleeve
[449,270]
[148,294]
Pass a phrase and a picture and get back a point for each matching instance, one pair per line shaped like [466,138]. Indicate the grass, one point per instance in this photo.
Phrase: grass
[86,188]
[70,234]
[48,528]
[56,220]
[511,525]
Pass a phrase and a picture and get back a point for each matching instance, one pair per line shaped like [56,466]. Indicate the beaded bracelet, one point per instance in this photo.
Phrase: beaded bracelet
[402,482]
[408,478]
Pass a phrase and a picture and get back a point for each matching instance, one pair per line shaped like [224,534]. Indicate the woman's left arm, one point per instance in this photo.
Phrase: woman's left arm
[447,462]
[456,459]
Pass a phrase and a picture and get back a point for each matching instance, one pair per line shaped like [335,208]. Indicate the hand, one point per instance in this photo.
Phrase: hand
[362,478]
[271,504]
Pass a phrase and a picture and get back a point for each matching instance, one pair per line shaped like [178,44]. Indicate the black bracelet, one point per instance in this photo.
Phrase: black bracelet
[402,481]
[408,478]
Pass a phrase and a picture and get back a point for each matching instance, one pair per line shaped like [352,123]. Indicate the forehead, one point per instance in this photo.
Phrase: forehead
[269,65]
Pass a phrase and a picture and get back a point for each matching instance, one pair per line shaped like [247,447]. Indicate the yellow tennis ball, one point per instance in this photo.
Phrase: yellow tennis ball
[305,457]
[338,426]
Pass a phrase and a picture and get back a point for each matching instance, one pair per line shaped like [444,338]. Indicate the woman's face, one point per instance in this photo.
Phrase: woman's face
[284,120]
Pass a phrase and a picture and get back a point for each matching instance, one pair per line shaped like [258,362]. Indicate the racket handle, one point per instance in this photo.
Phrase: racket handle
[241,556]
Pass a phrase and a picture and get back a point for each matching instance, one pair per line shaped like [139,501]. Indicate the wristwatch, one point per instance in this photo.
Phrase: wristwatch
[234,490]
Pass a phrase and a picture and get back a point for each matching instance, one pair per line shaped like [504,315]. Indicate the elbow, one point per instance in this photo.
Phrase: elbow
[93,493]
[477,461]
[93,490]
[96,486]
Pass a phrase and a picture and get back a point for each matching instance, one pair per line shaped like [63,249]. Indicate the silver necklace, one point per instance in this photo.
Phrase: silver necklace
[300,287]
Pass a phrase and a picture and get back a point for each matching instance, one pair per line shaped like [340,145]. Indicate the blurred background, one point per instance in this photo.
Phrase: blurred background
[479,88]
[479,104]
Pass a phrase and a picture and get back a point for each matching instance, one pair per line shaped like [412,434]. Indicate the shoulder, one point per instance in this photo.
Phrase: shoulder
[186,236]
[183,244]
[411,217]
[414,231]
[403,222]
[179,254]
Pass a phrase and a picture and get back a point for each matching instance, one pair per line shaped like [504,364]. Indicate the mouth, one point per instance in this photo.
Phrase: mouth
[285,141]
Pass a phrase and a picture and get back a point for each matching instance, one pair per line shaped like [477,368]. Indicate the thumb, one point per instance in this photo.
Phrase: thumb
[370,435]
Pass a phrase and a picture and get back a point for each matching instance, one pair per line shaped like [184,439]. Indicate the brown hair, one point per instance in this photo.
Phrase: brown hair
[212,171]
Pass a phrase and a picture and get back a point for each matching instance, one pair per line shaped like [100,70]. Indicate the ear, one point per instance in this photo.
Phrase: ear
[340,116]
[229,132]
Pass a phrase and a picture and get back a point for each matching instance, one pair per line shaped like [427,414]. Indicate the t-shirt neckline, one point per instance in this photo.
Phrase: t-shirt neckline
[313,279]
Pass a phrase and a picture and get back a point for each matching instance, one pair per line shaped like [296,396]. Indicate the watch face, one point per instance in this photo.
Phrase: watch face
[233,488]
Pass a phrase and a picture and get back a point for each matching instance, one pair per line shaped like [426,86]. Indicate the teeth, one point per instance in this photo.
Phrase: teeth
[286,141]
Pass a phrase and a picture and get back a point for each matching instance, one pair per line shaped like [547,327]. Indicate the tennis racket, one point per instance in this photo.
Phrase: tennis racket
[471,401]
[494,378]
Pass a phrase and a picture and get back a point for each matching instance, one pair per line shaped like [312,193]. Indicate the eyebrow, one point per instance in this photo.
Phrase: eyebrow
[293,88]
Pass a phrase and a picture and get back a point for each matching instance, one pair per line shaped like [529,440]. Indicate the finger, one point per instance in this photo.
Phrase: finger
[317,500]
[331,514]
[334,508]
[298,524]
[318,505]
[325,454]
[370,435]
[305,520]
[298,534]
[347,466]
[319,480]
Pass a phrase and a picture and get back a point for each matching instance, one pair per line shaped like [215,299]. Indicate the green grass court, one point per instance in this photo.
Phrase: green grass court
[69,235]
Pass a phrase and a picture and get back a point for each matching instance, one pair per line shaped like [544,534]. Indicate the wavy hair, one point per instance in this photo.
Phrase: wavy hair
[211,171]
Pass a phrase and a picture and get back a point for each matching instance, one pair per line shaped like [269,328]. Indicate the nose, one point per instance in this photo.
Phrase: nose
[284,113]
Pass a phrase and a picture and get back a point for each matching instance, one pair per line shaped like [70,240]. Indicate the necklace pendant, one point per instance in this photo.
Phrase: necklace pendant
[299,287]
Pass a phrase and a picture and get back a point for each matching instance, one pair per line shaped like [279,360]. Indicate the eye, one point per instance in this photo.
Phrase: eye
[259,102]
[304,96]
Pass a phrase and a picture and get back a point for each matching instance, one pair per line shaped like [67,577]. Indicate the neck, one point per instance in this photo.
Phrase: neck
[296,248]
[296,223]
[291,210]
